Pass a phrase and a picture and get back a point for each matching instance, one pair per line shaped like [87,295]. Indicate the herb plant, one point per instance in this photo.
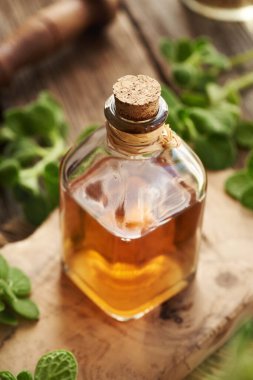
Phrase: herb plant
[205,113]
[15,288]
[32,139]
[55,365]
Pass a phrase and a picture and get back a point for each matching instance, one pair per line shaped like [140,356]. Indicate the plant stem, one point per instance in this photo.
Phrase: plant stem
[240,83]
[31,175]
[239,59]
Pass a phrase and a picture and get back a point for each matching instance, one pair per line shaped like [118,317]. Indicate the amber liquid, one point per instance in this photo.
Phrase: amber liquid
[124,259]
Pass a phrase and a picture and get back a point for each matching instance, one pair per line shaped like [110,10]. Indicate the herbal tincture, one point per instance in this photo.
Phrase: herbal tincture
[132,198]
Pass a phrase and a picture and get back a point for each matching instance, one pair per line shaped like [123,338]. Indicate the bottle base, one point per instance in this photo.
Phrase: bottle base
[136,313]
[244,13]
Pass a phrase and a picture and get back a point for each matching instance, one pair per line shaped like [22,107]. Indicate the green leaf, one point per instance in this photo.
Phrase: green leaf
[237,184]
[250,164]
[38,118]
[25,375]
[25,151]
[9,172]
[6,375]
[49,101]
[194,99]
[244,134]
[4,268]
[7,294]
[51,183]
[184,74]
[56,365]
[35,209]
[6,135]
[167,48]
[8,318]
[2,306]
[213,121]
[17,120]
[19,283]
[171,99]
[184,48]
[25,308]
[33,146]
[247,198]
[217,152]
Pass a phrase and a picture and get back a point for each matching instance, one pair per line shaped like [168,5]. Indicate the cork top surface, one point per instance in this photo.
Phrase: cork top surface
[137,90]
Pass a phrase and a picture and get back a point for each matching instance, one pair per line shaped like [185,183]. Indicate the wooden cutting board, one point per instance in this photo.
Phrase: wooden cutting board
[166,344]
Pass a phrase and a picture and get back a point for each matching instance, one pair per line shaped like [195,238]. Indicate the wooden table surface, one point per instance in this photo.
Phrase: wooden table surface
[81,77]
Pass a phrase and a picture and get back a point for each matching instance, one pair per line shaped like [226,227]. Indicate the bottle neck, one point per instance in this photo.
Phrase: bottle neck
[139,138]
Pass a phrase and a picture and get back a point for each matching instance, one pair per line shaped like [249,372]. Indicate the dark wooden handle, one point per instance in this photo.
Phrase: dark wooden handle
[43,33]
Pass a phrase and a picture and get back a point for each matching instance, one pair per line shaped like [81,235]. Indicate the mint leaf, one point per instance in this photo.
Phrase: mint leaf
[25,151]
[33,138]
[19,283]
[247,198]
[237,184]
[35,209]
[56,365]
[2,306]
[14,285]
[9,172]
[25,375]
[250,164]
[8,318]
[4,268]
[244,134]
[216,151]
[51,183]
[218,121]
[25,308]
[6,375]
[7,294]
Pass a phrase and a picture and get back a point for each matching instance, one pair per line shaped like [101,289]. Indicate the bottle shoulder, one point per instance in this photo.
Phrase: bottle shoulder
[141,192]
[179,163]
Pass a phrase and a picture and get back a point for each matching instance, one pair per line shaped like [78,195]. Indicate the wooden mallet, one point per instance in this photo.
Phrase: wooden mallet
[49,29]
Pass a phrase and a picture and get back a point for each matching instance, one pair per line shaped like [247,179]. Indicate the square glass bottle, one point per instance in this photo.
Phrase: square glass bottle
[132,199]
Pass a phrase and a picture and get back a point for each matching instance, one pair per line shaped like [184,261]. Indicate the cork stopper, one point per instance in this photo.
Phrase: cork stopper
[137,97]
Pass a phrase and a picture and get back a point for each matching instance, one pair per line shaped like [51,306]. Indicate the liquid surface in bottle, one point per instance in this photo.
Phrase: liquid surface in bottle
[131,234]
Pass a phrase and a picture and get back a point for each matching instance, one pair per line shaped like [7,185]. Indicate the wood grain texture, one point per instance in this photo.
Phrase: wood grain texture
[167,348]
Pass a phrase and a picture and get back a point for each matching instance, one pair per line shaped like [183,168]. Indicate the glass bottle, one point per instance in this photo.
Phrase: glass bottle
[225,10]
[132,199]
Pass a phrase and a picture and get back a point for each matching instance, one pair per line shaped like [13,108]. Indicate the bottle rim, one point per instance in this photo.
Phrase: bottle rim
[135,127]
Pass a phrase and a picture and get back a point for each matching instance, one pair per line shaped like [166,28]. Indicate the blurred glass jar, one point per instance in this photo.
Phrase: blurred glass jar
[224,10]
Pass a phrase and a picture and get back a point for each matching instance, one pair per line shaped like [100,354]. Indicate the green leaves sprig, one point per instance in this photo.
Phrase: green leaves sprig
[55,365]
[204,113]
[15,288]
[32,139]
